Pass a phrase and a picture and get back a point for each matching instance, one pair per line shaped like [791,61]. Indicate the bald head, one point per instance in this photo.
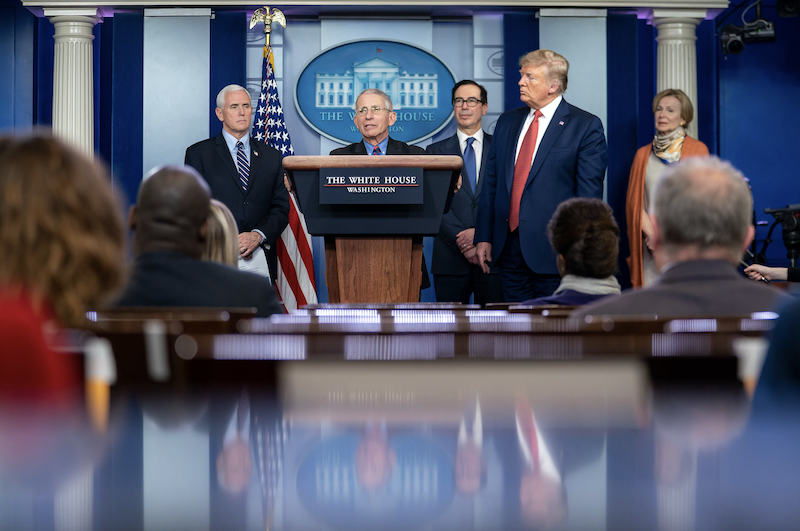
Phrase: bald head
[171,212]
[704,204]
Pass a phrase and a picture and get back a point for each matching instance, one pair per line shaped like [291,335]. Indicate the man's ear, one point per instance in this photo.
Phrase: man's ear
[748,239]
[132,217]
[203,234]
[392,118]
[218,112]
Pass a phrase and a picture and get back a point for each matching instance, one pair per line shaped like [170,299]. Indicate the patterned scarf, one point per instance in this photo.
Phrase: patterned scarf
[668,148]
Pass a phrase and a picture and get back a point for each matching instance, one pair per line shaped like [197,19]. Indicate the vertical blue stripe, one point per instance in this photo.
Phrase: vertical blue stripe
[623,118]
[520,36]
[43,80]
[648,52]
[23,68]
[707,86]
[127,96]
[104,69]
[228,58]
[7,35]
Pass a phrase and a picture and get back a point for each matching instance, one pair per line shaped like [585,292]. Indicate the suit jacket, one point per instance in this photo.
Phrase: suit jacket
[570,162]
[171,278]
[694,288]
[394,147]
[447,257]
[265,204]
[779,382]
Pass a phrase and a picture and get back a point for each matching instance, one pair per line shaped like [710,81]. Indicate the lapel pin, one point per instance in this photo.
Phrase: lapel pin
[559,123]
[255,153]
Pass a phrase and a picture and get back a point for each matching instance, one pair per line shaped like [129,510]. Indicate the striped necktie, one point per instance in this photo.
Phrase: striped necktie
[376,151]
[242,165]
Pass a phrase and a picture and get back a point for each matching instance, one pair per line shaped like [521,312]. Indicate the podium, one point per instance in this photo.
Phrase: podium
[373,215]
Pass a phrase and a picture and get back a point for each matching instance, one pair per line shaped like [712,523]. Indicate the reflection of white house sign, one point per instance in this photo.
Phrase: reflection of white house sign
[414,91]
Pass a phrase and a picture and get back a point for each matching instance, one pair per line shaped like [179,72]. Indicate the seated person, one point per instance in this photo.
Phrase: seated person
[62,249]
[223,237]
[585,237]
[702,225]
[170,224]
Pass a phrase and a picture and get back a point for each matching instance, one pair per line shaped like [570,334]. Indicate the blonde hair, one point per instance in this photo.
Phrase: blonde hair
[555,65]
[223,237]
[62,236]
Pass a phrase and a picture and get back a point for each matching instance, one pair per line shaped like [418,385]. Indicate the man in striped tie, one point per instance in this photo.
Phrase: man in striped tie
[245,174]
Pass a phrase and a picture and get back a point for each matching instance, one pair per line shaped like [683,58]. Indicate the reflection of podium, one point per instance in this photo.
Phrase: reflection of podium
[373,234]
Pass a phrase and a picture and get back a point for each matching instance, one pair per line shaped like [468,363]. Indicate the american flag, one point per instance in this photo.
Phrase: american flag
[296,284]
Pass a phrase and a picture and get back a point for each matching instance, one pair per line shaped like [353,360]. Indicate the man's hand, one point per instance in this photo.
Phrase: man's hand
[458,184]
[484,251]
[286,183]
[248,241]
[472,256]
[464,240]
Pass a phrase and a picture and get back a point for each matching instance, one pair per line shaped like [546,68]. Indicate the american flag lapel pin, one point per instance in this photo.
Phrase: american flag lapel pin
[255,153]
[561,122]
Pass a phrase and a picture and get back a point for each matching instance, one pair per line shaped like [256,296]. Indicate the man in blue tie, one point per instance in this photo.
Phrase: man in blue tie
[456,271]
[245,174]
[374,115]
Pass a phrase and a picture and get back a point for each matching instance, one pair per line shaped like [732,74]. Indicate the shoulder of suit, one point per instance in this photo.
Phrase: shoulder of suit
[208,142]
[350,148]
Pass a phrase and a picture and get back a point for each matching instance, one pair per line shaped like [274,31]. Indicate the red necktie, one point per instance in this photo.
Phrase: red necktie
[376,151]
[528,427]
[522,169]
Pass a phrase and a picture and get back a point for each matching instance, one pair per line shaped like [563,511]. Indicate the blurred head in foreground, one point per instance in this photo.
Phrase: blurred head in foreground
[61,231]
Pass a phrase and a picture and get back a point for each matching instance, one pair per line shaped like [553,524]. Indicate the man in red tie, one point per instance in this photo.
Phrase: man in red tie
[541,154]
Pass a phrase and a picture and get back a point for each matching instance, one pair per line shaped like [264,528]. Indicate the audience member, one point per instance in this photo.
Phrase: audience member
[701,227]
[62,249]
[222,236]
[585,237]
[779,382]
[170,223]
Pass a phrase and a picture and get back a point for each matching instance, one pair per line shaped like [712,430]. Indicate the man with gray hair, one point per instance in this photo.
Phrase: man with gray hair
[245,174]
[702,225]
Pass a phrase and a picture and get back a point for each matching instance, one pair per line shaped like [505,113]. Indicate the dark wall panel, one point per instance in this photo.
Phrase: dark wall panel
[520,36]
[228,58]
[623,118]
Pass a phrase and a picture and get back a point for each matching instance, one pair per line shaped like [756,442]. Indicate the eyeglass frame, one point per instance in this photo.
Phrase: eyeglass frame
[463,101]
[376,109]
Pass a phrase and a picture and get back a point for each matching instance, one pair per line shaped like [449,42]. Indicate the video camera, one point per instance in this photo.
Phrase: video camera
[789,218]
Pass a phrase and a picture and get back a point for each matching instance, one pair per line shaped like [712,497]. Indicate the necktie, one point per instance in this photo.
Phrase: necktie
[522,169]
[376,151]
[469,163]
[242,165]
[528,428]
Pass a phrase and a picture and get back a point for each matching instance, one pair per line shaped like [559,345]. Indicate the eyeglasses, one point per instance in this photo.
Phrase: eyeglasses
[471,102]
[376,109]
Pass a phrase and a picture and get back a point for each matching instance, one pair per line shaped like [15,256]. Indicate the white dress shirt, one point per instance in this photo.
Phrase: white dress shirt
[544,120]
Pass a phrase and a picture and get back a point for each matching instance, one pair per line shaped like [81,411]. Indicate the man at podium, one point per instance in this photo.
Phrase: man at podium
[373,117]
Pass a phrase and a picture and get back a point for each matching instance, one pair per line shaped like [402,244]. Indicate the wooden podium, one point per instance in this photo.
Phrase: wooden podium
[373,252]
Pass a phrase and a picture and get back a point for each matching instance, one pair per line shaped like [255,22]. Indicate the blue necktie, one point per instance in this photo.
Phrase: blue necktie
[376,151]
[469,163]
[242,165]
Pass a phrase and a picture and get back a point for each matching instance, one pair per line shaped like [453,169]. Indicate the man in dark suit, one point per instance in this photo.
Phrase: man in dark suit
[374,116]
[702,221]
[456,272]
[170,223]
[541,155]
[245,174]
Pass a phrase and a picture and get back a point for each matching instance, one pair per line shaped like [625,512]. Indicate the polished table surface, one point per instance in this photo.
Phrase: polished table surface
[407,445]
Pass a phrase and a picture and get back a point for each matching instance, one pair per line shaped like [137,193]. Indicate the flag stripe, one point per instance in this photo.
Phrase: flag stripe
[296,284]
